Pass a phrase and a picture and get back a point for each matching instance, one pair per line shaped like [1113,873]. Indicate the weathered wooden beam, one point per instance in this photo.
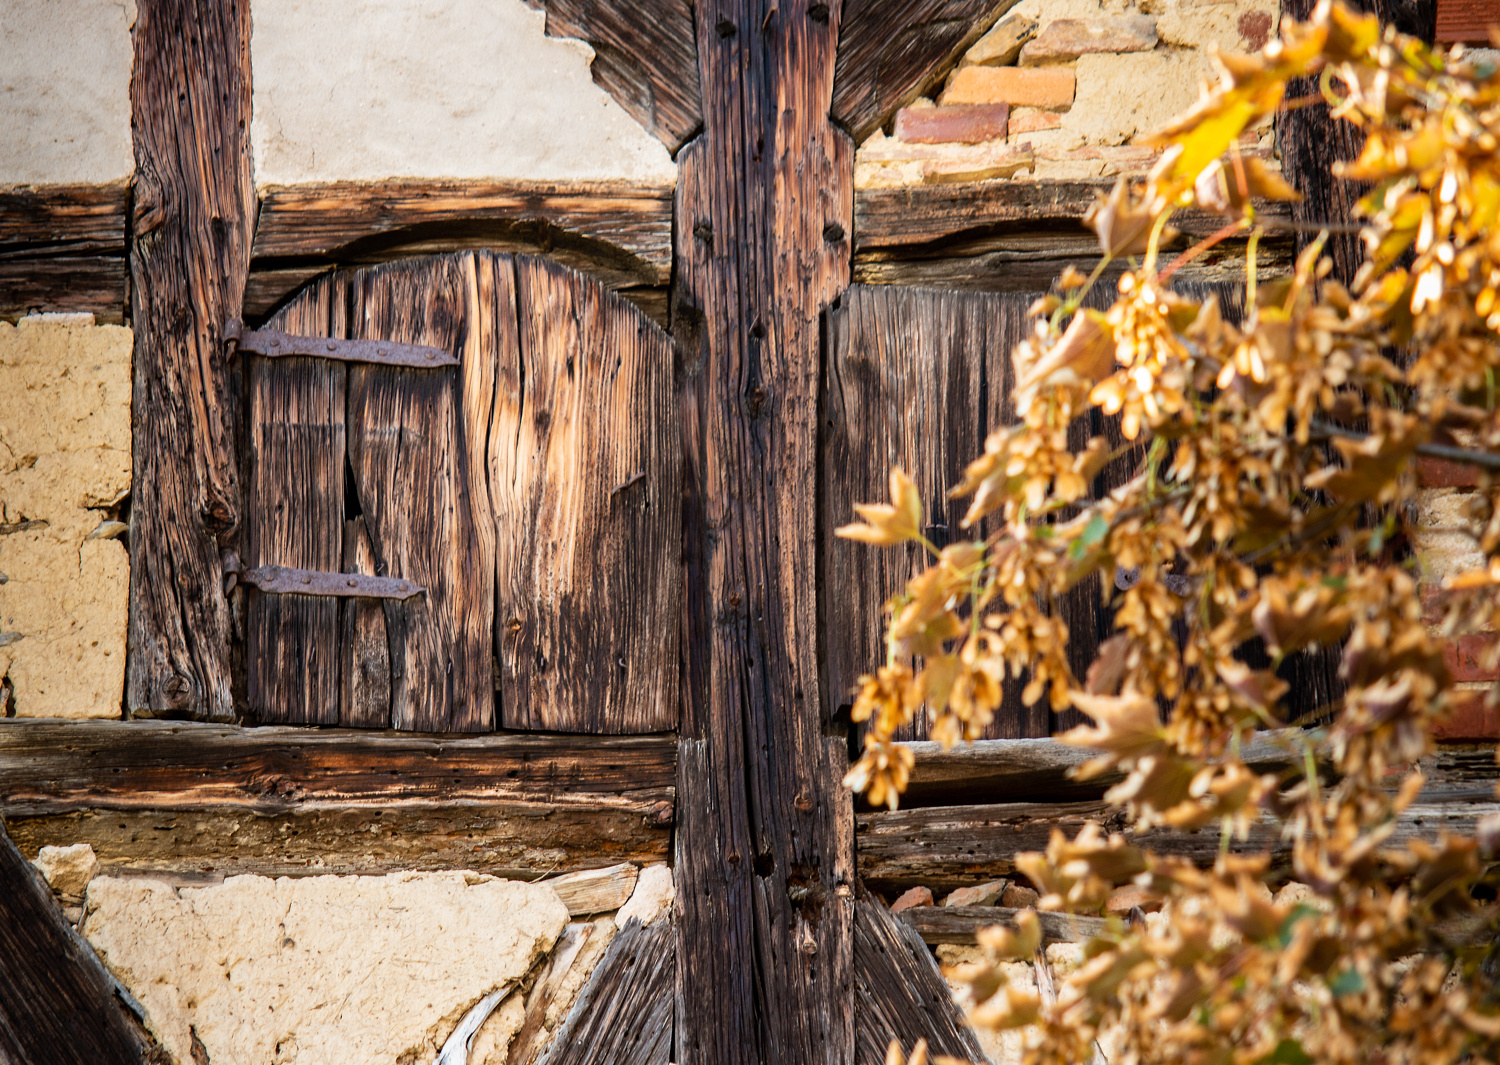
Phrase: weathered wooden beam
[891,52]
[1037,770]
[958,924]
[1466,21]
[62,248]
[899,993]
[187,799]
[58,1006]
[764,846]
[950,846]
[56,767]
[623,1015]
[1018,236]
[194,211]
[621,234]
[644,56]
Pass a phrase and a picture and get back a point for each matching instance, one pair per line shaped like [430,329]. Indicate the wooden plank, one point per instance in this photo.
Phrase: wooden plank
[194,211]
[644,56]
[59,1005]
[623,1015]
[764,869]
[524,840]
[948,847]
[915,378]
[913,216]
[65,284]
[621,234]
[899,992]
[585,486]
[364,651]
[61,767]
[412,478]
[1040,770]
[294,516]
[1466,21]
[595,890]
[958,924]
[46,220]
[890,53]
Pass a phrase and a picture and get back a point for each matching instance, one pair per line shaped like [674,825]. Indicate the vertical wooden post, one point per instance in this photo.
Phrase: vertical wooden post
[764,849]
[194,209]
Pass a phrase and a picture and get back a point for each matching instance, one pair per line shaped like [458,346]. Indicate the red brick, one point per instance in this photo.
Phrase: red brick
[1442,473]
[1472,721]
[1466,655]
[1255,29]
[1069,38]
[1050,88]
[960,123]
[1033,122]
[917,896]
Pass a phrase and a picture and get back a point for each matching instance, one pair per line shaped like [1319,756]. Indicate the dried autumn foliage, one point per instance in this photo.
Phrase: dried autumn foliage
[1273,505]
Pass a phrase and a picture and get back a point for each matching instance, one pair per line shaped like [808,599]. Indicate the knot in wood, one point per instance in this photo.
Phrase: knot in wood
[803,803]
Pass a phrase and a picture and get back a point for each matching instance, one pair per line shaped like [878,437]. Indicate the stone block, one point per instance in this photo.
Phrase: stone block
[1050,88]
[68,870]
[1104,113]
[1064,39]
[1002,44]
[651,898]
[912,898]
[960,123]
[64,460]
[1019,898]
[318,970]
[979,895]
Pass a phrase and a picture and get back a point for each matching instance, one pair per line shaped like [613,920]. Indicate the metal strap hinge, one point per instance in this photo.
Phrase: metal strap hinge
[283,580]
[273,343]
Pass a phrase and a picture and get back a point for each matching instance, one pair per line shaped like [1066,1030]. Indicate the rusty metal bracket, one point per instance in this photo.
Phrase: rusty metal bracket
[283,580]
[273,343]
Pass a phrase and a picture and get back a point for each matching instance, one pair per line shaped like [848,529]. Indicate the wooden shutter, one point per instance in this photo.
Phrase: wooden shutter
[537,478]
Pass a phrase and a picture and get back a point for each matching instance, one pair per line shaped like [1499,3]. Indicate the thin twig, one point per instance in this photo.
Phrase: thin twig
[1488,460]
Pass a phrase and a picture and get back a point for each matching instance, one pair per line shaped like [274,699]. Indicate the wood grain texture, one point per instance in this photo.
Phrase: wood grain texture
[644,56]
[953,846]
[67,284]
[618,234]
[364,650]
[764,868]
[900,994]
[915,378]
[413,480]
[890,52]
[62,249]
[585,481]
[194,211]
[294,516]
[1466,21]
[524,840]
[958,924]
[58,1005]
[63,767]
[1018,236]
[623,1015]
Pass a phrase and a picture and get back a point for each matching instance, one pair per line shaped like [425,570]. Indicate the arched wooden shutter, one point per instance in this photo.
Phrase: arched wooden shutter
[531,490]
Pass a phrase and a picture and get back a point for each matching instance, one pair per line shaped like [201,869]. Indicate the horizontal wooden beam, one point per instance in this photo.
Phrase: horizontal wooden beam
[958,924]
[950,846]
[1017,236]
[62,249]
[621,234]
[187,798]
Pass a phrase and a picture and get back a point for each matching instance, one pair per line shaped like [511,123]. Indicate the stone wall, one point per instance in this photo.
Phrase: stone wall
[64,468]
[1065,89]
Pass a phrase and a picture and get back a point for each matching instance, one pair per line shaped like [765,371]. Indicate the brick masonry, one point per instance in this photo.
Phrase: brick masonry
[959,123]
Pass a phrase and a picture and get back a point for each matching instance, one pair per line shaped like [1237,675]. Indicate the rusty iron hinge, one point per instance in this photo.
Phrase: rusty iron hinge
[283,580]
[273,343]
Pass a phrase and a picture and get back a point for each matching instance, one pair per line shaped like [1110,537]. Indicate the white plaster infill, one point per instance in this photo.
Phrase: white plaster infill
[374,89]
